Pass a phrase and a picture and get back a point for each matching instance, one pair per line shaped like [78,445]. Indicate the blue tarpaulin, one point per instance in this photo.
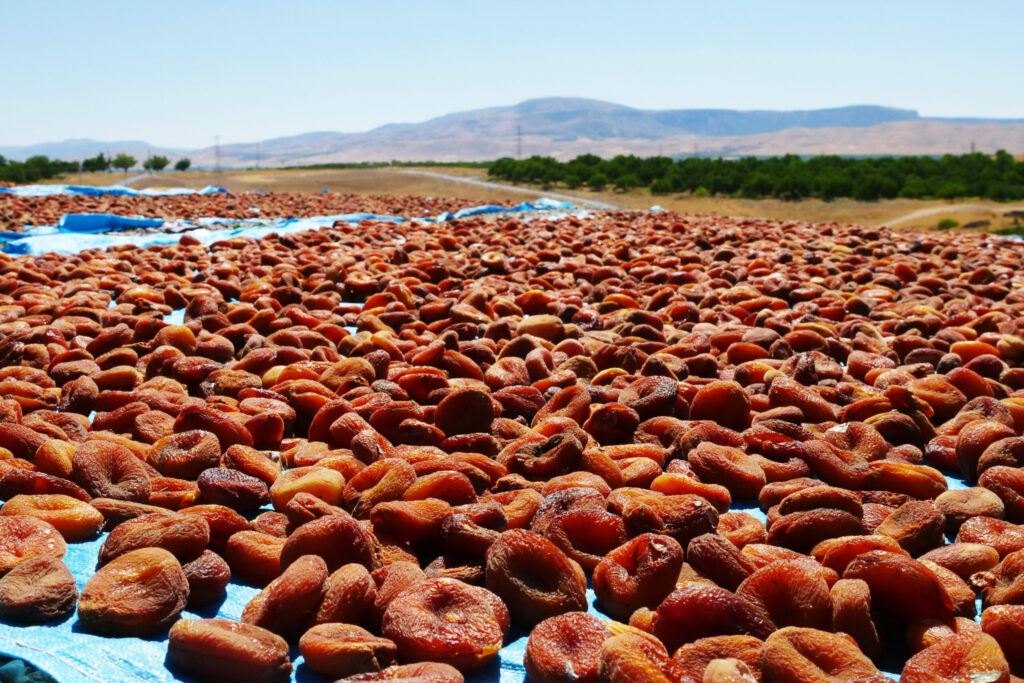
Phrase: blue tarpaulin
[99,231]
[111,190]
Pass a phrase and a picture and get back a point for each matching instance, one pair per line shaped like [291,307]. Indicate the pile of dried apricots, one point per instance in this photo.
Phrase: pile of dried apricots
[523,409]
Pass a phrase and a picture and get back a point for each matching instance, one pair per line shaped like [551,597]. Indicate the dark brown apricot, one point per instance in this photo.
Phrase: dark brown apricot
[289,603]
[39,589]
[447,621]
[801,531]
[232,489]
[137,594]
[566,648]
[225,651]
[639,573]
[534,578]
[208,576]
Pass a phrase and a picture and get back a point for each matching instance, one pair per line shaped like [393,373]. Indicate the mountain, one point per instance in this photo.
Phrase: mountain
[565,127]
[81,148]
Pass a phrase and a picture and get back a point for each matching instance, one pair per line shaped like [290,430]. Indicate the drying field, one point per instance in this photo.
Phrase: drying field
[625,447]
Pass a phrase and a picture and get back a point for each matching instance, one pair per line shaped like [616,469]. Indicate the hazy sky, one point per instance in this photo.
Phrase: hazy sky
[178,73]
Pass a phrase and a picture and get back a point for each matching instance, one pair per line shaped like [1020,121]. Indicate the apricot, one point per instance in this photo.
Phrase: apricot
[337,649]
[719,560]
[791,592]
[1005,623]
[23,537]
[1005,583]
[535,579]
[184,536]
[900,586]
[72,518]
[728,467]
[232,489]
[186,454]
[630,657]
[723,402]
[289,603]
[224,651]
[254,556]
[39,589]
[807,654]
[851,614]
[917,526]
[350,594]
[208,576]
[338,539]
[447,621]
[222,521]
[639,573]
[411,520]
[326,484]
[963,657]
[566,647]
[696,611]
[137,594]
[1008,484]
[964,559]
[586,536]
[925,633]
[961,505]
[108,470]
[693,659]
[741,528]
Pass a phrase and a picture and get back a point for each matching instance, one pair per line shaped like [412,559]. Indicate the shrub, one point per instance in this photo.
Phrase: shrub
[598,181]
[947,223]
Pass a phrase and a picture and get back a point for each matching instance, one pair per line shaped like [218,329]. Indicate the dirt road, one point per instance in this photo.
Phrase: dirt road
[583,201]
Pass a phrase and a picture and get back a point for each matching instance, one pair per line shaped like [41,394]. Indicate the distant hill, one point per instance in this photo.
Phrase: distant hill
[565,127]
[82,148]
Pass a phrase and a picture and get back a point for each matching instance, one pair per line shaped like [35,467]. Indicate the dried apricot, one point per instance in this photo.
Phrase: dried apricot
[694,611]
[208,576]
[74,519]
[566,647]
[350,594]
[813,656]
[289,603]
[639,573]
[224,651]
[534,578]
[693,658]
[139,593]
[447,621]
[337,649]
[184,536]
[963,658]
[23,537]
[629,657]
[108,470]
[39,589]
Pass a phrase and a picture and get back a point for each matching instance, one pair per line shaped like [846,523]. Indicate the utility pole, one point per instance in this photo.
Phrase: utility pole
[519,142]
[972,146]
[216,154]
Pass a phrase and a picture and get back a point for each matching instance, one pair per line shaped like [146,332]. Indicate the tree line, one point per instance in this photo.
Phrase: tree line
[40,167]
[998,177]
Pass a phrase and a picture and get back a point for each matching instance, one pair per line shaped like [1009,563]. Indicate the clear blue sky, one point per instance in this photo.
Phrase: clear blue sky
[178,73]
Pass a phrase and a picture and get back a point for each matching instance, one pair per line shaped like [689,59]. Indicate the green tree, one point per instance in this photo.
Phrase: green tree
[157,163]
[597,181]
[627,182]
[182,164]
[124,162]
[572,181]
[96,164]
[661,186]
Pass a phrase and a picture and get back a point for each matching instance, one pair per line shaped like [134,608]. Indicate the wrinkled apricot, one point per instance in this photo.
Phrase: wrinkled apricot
[139,593]
[963,658]
[566,647]
[184,536]
[72,518]
[337,649]
[812,656]
[108,470]
[224,651]
[694,611]
[447,621]
[39,589]
[639,573]
[289,603]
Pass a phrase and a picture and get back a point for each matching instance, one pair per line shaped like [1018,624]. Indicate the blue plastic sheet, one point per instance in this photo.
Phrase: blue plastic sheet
[38,242]
[111,190]
[104,222]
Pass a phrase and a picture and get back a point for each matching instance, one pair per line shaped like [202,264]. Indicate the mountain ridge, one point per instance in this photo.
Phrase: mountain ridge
[566,126]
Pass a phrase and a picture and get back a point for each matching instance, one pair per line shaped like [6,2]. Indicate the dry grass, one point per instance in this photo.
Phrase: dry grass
[393,181]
